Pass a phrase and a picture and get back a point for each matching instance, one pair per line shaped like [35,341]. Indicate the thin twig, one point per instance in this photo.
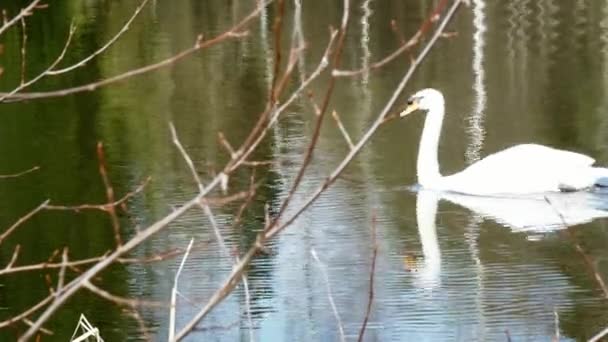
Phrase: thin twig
[23,219]
[24,12]
[23,48]
[588,260]
[198,45]
[331,299]
[111,210]
[228,285]
[104,206]
[121,300]
[349,141]
[372,273]
[59,58]
[248,306]
[61,276]
[599,335]
[84,61]
[18,174]
[416,38]
[173,306]
[206,209]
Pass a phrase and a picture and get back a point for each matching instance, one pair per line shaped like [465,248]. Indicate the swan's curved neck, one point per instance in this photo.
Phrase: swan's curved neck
[428,165]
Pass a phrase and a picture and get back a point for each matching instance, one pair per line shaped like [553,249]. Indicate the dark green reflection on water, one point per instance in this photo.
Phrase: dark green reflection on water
[545,80]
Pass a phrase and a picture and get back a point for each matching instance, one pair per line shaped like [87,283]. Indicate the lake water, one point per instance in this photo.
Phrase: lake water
[448,268]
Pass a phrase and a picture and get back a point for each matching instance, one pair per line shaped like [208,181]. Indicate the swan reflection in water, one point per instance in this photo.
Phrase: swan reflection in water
[539,213]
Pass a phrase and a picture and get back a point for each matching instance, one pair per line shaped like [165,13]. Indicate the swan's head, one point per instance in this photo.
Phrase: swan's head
[425,99]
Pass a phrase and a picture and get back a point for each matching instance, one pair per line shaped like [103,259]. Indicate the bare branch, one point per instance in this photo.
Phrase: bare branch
[599,335]
[238,269]
[349,141]
[18,174]
[248,306]
[24,12]
[186,157]
[198,45]
[331,299]
[372,273]
[111,210]
[84,61]
[120,300]
[23,48]
[426,25]
[23,219]
[23,85]
[173,306]
[105,206]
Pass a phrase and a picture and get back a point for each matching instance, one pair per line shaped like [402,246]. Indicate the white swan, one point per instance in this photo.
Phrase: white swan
[521,169]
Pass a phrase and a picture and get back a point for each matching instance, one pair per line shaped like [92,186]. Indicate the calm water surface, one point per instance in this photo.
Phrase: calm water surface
[448,268]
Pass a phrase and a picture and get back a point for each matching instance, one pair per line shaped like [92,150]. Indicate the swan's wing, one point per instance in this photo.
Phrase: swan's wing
[519,169]
[533,155]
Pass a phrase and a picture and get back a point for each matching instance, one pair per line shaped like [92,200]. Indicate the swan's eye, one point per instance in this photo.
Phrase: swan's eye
[410,102]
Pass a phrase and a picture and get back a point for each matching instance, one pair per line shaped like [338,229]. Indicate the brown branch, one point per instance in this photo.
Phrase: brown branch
[140,322]
[136,240]
[277,27]
[228,285]
[87,59]
[23,85]
[134,303]
[73,264]
[426,25]
[319,120]
[111,210]
[269,117]
[200,44]
[372,273]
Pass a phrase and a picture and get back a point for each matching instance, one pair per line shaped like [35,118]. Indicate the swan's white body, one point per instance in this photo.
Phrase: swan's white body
[521,169]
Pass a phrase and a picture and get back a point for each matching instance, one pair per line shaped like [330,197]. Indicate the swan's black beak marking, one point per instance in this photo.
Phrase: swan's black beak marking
[412,105]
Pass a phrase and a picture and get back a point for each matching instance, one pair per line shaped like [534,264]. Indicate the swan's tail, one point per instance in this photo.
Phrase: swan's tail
[601,176]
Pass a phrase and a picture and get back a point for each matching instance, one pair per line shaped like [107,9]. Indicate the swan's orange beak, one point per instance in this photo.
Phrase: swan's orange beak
[412,105]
